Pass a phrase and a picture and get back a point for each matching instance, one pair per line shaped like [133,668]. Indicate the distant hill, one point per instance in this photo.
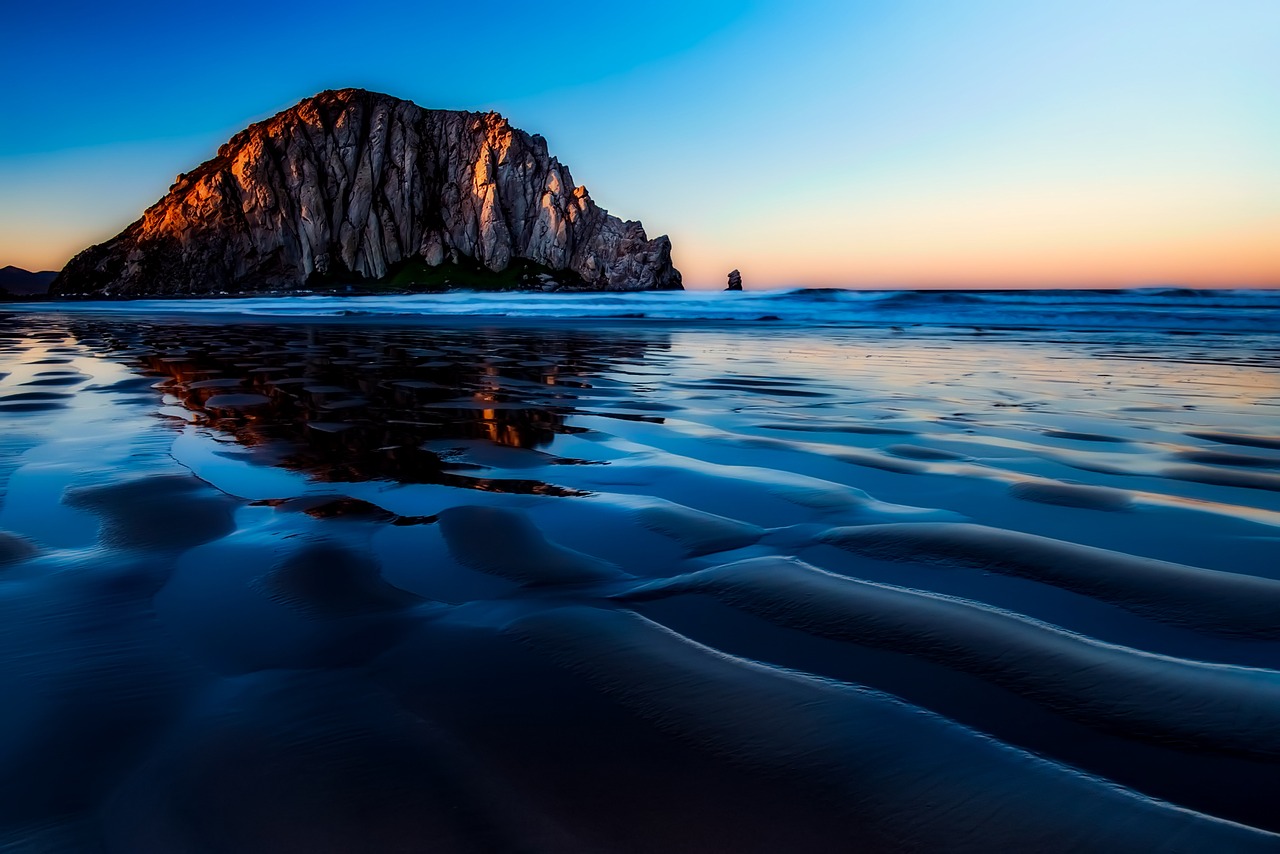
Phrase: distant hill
[20,282]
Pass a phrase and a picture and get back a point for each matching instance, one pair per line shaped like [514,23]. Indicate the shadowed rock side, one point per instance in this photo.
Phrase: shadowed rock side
[353,184]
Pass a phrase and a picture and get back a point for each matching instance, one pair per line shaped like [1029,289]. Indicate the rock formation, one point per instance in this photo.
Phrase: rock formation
[735,281]
[352,185]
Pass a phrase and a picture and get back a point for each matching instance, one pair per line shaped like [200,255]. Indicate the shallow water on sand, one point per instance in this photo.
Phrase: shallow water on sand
[487,587]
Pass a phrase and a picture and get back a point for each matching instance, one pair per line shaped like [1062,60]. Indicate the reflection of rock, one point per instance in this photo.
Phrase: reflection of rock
[342,507]
[374,403]
[353,185]
[735,281]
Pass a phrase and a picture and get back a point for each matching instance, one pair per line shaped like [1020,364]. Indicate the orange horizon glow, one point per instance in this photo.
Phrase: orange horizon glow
[1242,258]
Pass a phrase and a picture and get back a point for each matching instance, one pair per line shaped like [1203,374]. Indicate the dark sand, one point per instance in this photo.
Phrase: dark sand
[276,587]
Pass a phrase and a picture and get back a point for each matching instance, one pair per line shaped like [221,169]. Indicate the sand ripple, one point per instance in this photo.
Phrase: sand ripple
[921,800]
[1226,603]
[1182,703]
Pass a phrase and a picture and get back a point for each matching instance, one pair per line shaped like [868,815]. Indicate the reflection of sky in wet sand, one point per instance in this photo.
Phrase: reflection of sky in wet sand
[681,554]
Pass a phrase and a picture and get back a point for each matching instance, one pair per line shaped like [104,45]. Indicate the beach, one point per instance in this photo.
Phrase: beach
[645,572]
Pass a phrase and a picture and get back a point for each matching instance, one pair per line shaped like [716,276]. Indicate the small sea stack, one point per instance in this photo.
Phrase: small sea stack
[735,281]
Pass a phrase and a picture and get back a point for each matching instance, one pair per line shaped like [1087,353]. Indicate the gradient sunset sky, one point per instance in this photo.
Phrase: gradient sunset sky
[914,143]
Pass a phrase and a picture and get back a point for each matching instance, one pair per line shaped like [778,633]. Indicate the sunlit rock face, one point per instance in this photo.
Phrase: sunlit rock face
[350,184]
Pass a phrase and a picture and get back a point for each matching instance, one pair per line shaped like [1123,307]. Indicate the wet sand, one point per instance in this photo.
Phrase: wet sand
[473,586]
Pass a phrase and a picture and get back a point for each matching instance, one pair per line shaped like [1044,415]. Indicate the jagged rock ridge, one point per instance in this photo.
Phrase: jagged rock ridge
[353,184]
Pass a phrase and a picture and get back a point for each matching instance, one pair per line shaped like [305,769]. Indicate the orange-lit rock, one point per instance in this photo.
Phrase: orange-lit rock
[352,183]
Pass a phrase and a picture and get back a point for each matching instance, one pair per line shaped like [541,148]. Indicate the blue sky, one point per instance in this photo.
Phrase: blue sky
[987,142]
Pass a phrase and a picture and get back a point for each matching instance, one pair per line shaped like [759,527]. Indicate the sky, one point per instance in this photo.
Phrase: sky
[861,143]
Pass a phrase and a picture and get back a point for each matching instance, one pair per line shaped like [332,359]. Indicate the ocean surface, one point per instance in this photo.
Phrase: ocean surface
[1178,309]
[890,572]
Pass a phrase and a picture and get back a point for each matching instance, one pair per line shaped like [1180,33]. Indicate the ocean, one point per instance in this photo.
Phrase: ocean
[801,571]
[1171,309]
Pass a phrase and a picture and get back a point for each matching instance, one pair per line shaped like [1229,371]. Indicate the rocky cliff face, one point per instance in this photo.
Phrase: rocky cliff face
[353,184]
